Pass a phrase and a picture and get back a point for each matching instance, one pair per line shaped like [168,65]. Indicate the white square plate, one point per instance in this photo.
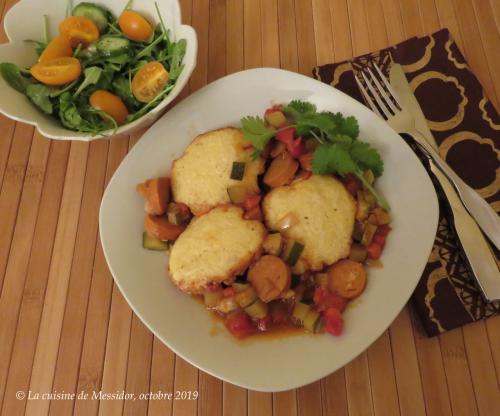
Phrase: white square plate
[183,324]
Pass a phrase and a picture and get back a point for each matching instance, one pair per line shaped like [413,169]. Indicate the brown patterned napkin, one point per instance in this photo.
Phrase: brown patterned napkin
[467,129]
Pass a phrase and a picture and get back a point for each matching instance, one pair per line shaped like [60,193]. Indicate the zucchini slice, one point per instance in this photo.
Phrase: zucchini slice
[238,171]
[246,297]
[300,311]
[294,253]
[257,310]
[240,287]
[237,193]
[111,45]
[358,253]
[91,11]
[152,243]
[212,298]
[273,244]
[311,321]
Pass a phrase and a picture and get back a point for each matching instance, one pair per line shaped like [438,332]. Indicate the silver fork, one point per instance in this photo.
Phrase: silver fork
[384,101]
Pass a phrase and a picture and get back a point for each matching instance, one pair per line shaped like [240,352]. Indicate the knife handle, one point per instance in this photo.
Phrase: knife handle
[477,251]
[478,208]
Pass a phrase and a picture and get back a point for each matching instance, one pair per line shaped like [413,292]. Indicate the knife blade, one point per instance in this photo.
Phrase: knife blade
[397,79]
[477,251]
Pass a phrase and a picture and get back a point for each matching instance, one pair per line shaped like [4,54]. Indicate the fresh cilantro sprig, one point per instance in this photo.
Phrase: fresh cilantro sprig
[257,133]
[340,152]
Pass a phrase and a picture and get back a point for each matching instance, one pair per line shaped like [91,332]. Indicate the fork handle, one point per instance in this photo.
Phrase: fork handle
[480,210]
[477,251]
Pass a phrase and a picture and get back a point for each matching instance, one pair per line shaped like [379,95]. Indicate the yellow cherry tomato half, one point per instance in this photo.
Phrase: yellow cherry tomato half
[109,103]
[58,71]
[79,29]
[135,26]
[59,47]
[149,81]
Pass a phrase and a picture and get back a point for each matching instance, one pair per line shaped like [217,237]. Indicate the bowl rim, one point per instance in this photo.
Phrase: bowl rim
[187,32]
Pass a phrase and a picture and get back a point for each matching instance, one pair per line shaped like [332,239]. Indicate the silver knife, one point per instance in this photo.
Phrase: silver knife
[480,210]
[479,255]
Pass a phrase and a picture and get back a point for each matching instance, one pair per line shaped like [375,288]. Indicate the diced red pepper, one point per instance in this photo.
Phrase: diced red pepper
[383,229]
[306,161]
[263,324]
[303,175]
[286,135]
[295,146]
[228,292]
[374,251]
[239,324]
[273,109]
[183,208]
[213,287]
[324,300]
[352,184]
[379,239]
[251,201]
[279,313]
[254,214]
[333,321]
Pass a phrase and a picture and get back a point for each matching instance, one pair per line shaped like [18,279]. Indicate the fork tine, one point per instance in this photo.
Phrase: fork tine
[387,84]
[376,95]
[367,97]
[382,92]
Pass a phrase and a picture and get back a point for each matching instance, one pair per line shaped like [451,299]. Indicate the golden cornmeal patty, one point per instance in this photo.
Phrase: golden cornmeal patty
[323,212]
[201,176]
[214,248]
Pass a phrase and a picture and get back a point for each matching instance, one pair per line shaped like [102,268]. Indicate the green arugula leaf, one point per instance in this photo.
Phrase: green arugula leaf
[367,157]
[12,76]
[92,75]
[121,87]
[40,95]
[176,50]
[256,132]
[68,112]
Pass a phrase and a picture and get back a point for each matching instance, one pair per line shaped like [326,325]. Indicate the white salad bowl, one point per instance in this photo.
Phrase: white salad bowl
[24,21]
[264,363]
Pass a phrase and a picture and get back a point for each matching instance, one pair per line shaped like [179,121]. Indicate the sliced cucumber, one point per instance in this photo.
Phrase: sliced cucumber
[89,51]
[93,12]
[152,243]
[238,171]
[111,45]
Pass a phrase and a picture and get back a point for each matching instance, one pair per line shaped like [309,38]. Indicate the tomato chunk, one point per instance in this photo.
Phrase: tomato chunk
[295,146]
[324,300]
[251,201]
[374,251]
[273,109]
[333,321]
[239,324]
[352,184]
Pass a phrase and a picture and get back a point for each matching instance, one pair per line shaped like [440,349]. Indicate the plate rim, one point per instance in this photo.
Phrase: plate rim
[143,142]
